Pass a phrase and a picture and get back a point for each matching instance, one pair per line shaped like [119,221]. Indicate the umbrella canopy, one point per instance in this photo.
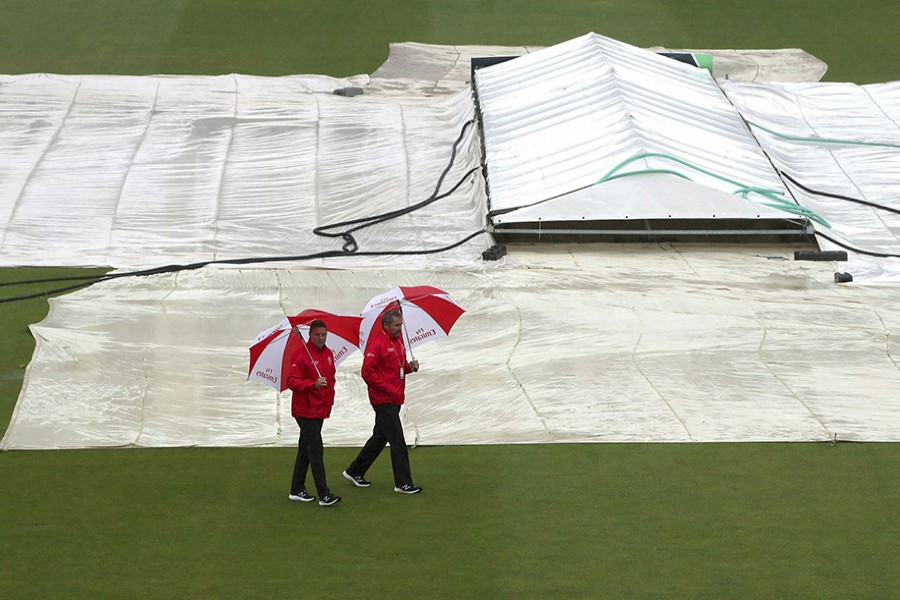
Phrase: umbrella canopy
[272,350]
[343,331]
[428,313]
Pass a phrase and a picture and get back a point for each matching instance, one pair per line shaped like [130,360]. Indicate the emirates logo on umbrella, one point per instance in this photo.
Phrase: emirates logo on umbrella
[428,313]
[271,353]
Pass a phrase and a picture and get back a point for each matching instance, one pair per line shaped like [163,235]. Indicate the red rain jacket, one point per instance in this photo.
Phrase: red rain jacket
[385,357]
[307,401]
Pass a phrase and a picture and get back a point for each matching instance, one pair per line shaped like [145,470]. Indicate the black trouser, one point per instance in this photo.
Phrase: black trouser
[388,430]
[309,454]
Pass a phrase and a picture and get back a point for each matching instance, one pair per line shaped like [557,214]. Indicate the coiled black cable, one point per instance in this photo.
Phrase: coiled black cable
[350,244]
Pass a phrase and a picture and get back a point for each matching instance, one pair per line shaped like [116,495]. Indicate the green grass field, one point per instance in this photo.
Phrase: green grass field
[581,521]
[563,521]
[346,37]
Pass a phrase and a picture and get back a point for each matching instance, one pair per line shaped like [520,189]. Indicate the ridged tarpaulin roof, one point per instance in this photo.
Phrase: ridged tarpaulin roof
[560,120]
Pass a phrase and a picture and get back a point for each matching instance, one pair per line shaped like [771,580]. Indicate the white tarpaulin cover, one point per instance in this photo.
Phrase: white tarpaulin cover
[572,344]
[561,119]
[149,171]
[558,344]
[433,69]
[842,139]
[145,171]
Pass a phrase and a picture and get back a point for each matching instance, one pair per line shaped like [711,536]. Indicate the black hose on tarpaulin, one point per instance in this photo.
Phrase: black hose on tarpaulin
[839,196]
[350,244]
[868,203]
[857,250]
[349,248]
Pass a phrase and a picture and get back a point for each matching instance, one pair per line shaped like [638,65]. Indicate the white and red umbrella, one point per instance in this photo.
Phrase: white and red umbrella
[343,331]
[428,313]
[271,352]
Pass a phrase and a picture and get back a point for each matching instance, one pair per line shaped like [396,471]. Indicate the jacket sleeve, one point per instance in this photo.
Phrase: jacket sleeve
[371,368]
[296,379]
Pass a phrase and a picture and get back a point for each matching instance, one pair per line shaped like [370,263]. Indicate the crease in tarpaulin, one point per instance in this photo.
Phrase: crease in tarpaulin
[653,386]
[880,108]
[138,147]
[522,388]
[887,340]
[315,171]
[449,69]
[37,163]
[145,375]
[762,357]
[218,206]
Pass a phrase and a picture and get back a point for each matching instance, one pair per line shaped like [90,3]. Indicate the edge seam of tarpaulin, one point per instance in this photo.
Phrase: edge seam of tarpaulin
[5,440]
[790,390]
[524,390]
[637,365]
[145,378]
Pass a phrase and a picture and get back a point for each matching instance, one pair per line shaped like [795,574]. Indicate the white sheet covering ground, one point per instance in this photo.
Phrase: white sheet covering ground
[569,344]
[419,69]
[139,172]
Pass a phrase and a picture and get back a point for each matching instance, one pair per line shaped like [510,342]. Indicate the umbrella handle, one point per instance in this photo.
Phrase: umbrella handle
[303,343]
[405,333]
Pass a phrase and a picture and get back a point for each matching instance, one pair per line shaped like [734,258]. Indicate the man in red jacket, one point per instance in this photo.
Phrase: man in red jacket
[311,380]
[384,370]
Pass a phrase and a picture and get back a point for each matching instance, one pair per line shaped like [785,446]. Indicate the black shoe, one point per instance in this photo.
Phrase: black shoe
[302,496]
[329,499]
[408,488]
[357,480]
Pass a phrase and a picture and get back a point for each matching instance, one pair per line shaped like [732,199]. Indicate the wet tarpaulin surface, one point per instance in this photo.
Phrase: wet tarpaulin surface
[635,343]
[138,172]
[840,145]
